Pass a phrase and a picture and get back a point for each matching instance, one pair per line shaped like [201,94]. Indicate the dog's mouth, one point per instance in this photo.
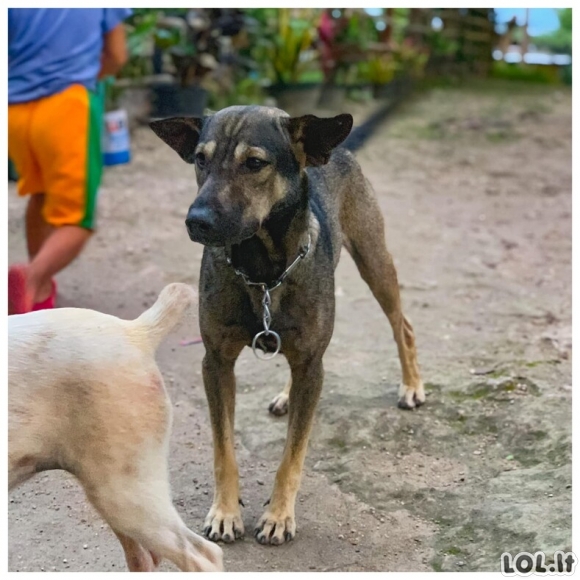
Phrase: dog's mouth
[218,240]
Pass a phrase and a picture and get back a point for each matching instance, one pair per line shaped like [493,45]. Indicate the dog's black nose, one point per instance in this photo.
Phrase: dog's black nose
[200,221]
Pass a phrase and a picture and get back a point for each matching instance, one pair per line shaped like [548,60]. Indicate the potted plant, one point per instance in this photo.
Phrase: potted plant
[130,90]
[390,69]
[172,55]
[380,70]
[284,45]
[412,59]
[186,38]
[344,37]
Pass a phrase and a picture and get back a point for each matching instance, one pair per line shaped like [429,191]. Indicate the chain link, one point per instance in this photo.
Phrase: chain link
[267,316]
[267,299]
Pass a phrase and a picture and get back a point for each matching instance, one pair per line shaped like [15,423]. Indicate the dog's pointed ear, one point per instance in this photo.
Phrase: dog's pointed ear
[317,137]
[180,133]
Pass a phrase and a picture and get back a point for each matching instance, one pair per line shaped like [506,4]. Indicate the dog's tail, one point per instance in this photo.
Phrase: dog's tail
[168,310]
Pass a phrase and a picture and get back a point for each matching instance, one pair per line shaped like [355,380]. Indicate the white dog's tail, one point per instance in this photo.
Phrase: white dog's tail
[168,310]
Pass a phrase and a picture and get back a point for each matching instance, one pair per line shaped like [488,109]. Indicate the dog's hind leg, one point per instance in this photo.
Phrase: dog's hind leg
[20,469]
[279,404]
[139,510]
[138,558]
[123,469]
[364,238]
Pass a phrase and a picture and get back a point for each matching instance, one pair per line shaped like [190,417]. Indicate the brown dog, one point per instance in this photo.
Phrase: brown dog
[276,201]
[86,396]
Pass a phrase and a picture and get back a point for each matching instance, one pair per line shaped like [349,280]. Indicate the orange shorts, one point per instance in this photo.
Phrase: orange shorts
[55,145]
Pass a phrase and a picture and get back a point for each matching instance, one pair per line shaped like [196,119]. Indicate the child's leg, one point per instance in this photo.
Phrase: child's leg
[37,230]
[60,249]
[65,144]
[50,250]
[30,183]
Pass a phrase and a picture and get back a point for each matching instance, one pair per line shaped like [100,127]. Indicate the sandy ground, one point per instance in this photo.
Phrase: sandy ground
[475,184]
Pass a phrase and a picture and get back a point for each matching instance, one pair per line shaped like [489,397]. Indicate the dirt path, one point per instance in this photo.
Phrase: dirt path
[475,185]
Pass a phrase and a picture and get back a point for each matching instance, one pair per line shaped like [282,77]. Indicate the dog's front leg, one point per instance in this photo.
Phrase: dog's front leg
[278,523]
[224,520]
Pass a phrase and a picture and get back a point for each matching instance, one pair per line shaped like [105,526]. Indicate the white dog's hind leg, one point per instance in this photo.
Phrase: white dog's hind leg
[138,558]
[137,504]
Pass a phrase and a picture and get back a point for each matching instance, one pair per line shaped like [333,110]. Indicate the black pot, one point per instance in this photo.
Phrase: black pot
[332,96]
[386,91]
[171,100]
[392,90]
[296,99]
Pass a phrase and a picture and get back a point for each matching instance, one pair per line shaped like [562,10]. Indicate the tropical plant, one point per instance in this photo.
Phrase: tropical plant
[282,44]
[379,69]
[246,91]
[359,29]
[411,59]
[440,45]
[141,27]
[399,23]
[402,59]
[193,39]
[344,42]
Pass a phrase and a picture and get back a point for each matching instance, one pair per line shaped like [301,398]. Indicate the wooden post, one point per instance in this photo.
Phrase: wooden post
[387,34]
[526,39]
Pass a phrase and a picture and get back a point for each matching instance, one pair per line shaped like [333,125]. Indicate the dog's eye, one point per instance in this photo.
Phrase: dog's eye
[255,164]
[200,160]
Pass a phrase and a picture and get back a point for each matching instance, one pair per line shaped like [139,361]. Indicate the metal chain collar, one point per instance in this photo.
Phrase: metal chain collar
[267,302]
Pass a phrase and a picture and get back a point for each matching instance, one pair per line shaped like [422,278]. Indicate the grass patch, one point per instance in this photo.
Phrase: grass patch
[437,564]
[538,74]
[501,136]
[338,442]
[495,388]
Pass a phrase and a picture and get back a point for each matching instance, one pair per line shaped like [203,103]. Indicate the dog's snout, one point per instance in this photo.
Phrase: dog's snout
[200,220]
[212,223]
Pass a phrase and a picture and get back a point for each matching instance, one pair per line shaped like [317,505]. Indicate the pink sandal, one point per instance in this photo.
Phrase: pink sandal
[19,300]
[48,303]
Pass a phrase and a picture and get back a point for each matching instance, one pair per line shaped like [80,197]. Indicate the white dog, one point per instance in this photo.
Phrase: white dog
[86,396]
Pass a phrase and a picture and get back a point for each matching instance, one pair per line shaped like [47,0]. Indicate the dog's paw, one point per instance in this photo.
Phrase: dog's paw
[222,524]
[214,557]
[279,405]
[156,559]
[275,528]
[410,397]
